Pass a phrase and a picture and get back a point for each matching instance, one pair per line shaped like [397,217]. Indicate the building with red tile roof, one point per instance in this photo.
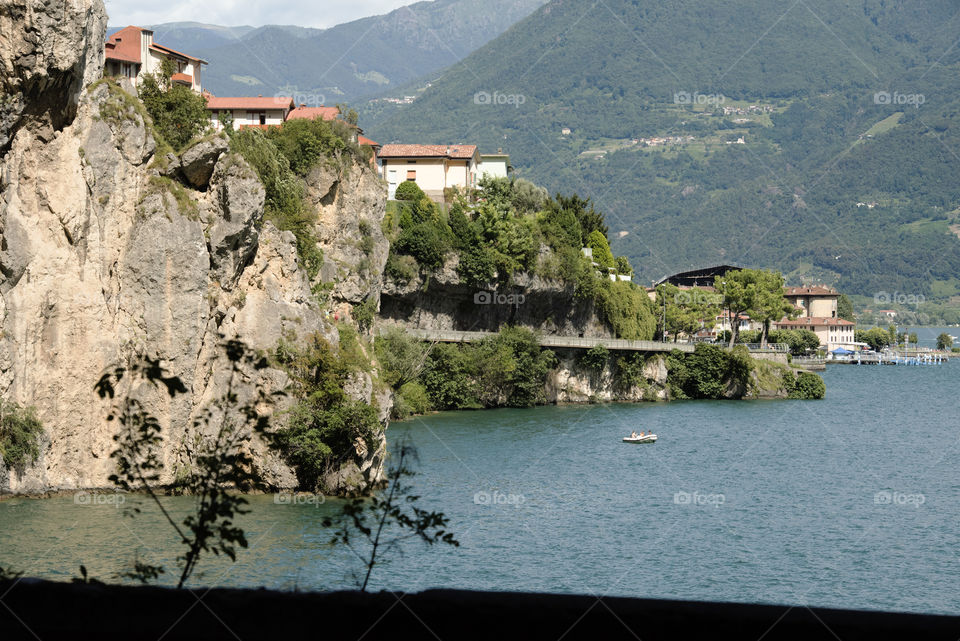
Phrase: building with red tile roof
[816,300]
[434,168]
[312,113]
[131,53]
[832,332]
[249,111]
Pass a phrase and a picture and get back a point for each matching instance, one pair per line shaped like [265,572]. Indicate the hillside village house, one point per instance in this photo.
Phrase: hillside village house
[816,301]
[832,332]
[494,165]
[818,313]
[131,53]
[433,167]
[249,112]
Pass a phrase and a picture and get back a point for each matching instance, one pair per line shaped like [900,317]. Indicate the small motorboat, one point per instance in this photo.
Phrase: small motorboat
[646,438]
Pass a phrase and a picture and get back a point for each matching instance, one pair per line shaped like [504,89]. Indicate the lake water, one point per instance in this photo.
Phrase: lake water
[852,501]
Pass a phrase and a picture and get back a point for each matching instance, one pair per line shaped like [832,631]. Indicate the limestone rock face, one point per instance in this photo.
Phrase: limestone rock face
[234,233]
[197,162]
[49,50]
[571,382]
[350,205]
[447,303]
[108,253]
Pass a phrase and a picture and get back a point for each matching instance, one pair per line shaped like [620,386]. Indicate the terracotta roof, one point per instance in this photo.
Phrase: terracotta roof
[459,152]
[182,77]
[311,113]
[245,102]
[816,290]
[124,45]
[168,50]
[363,140]
[816,320]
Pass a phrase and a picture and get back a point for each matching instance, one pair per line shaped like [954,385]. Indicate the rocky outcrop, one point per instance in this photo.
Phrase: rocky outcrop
[49,51]
[198,161]
[237,215]
[350,204]
[109,253]
[441,300]
[571,382]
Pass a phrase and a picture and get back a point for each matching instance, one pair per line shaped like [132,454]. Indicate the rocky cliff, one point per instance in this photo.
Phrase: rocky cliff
[108,252]
[441,300]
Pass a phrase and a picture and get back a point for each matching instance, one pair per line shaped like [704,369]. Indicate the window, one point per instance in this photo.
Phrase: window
[412,175]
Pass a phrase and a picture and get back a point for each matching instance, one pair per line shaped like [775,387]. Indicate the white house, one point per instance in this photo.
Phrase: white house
[433,167]
[832,332]
[494,165]
[131,53]
[270,111]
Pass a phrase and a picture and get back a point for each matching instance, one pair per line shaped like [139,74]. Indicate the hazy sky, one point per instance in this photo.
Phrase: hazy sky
[304,13]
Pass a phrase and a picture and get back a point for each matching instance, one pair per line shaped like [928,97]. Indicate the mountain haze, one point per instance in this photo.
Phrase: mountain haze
[821,140]
[348,61]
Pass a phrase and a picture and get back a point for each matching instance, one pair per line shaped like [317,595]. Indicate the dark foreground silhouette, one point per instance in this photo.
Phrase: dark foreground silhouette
[33,609]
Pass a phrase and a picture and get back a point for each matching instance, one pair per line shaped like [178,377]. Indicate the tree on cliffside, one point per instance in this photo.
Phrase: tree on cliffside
[179,114]
[769,303]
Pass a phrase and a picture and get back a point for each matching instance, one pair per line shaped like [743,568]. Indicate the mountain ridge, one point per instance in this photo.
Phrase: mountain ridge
[785,198]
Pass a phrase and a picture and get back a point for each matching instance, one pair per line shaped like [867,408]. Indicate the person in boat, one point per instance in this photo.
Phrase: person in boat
[641,434]
[633,434]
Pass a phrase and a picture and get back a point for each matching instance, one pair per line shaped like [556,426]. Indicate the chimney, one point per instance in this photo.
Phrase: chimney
[259,95]
[303,104]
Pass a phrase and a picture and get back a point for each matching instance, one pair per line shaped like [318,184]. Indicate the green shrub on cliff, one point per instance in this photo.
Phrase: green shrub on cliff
[324,424]
[808,386]
[20,434]
[307,143]
[707,372]
[285,205]
[506,370]
[179,114]
[595,358]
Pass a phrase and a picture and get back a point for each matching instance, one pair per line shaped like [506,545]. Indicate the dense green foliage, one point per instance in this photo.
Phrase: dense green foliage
[506,370]
[20,435]
[308,143]
[876,338]
[807,386]
[515,227]
[944,341]
[595,358]
[708,372]
[820,144]
[845,308]
[324,423]
[409,190]
[179,114]
[286,206]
